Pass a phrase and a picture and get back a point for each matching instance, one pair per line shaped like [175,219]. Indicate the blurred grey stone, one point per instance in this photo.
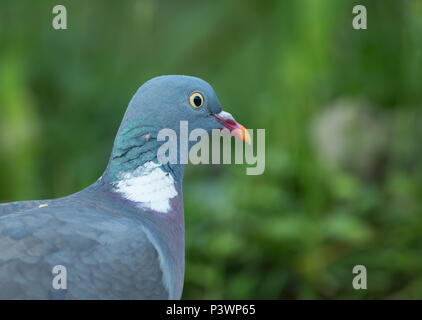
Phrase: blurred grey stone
[352,135]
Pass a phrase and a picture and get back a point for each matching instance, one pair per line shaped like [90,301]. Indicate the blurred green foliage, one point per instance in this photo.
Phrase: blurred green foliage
[297,230]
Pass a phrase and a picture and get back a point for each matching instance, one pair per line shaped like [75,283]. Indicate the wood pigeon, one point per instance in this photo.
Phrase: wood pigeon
[123,236]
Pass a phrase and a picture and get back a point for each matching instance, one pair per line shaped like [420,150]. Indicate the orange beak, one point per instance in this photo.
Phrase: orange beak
[235,128]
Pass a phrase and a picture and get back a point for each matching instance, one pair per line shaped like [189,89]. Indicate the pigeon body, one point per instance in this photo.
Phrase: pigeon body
[123,236]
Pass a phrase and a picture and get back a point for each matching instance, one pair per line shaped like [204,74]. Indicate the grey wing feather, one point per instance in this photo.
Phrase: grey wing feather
[19,206]
[105,258]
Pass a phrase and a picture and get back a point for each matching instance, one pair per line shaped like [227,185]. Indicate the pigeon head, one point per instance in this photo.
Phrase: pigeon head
[162,103]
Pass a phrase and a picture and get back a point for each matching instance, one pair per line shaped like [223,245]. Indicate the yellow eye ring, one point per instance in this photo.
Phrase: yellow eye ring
[196,100]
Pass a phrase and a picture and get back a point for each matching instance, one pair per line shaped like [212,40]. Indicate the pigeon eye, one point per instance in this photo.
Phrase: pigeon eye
[196,100]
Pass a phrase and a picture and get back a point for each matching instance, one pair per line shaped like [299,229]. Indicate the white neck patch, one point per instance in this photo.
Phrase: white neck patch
[149,186]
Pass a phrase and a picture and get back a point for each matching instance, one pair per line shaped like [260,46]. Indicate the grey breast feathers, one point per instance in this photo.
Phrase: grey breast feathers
[105,256]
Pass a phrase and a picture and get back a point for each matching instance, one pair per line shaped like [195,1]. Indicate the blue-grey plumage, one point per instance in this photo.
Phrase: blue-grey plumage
[123,236]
